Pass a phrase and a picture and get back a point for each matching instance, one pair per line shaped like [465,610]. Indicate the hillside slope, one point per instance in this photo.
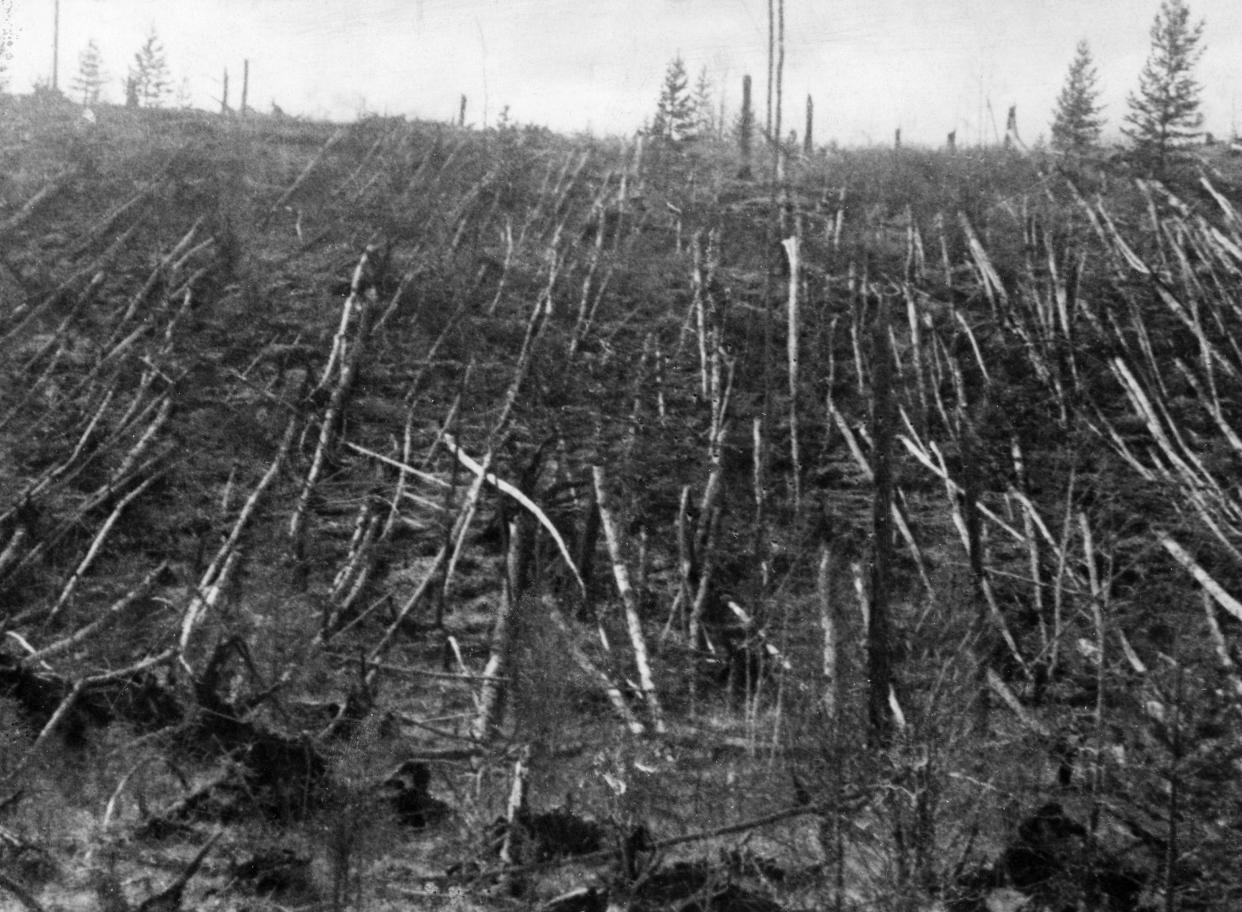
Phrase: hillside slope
[362,485]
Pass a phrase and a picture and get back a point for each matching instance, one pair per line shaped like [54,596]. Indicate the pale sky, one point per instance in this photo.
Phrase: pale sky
[926,66]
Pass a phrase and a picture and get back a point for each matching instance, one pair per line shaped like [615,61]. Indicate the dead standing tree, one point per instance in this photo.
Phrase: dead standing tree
[775,135]
[808,141]
[245,90]
[745,131]
[792,251]
[767,120]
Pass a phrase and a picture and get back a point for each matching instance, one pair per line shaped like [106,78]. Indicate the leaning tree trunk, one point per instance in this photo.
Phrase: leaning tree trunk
[629,600]
[521,535]
[879,655]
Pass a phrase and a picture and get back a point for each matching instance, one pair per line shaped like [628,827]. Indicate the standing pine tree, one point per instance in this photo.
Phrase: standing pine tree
[1164,116]
[674,119]
[1077,121]
[150,72]
[704,110]
[90,78]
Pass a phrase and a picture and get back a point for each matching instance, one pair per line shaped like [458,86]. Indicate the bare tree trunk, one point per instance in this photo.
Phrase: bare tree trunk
[224,92]
[245,92]
[808,141]
[968,444]
[829,620]
[832,825]
[917,348]
[492,693]
[629,600]
[767,116]
[520,539]
[879,655]
[583,661]
[699,282]
[780,75]
[584,555]
[746,129]
[926,800]
[1099,604]
[791,245]
[56,47]
[1173,806]
[687,562]
[511,853]
[759,489]
[344,364]
[942,229]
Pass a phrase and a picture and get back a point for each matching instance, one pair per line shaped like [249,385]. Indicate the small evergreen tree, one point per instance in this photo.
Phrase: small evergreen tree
[89,81]
[674,118]
[1077,121]
[150,73]
[1164,116]
[704,110]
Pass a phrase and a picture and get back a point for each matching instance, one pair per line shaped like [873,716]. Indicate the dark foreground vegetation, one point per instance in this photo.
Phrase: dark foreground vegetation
[396,516]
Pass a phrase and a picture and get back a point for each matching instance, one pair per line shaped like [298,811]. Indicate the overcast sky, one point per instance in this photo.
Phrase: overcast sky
[927,66]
